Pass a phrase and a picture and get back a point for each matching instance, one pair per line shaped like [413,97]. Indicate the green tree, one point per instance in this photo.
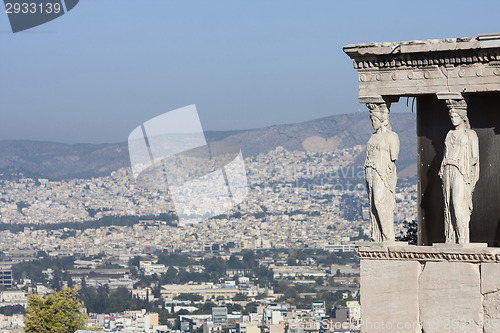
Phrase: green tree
[249,260]
[169,277]
[409,233]
[234,262]
[320,281]
[56,282]
[206,308]
[240,297]
[216,266]
[189,297]
[234,307]
[248,308]
[58,312]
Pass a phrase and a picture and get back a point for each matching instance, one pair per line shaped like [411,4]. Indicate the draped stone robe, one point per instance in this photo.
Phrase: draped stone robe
[459,172]
[380,170]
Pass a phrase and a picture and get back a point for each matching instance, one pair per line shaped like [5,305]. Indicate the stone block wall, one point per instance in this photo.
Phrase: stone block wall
[422,289]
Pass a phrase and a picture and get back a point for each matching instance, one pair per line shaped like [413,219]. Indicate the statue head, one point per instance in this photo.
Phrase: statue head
[458,107]
[379,114]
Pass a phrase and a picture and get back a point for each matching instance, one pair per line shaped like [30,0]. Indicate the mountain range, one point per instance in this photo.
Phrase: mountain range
[38,159]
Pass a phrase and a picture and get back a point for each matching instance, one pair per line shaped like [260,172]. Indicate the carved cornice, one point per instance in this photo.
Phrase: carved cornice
[484,48]
[418,60]
[426,253]
[429,66]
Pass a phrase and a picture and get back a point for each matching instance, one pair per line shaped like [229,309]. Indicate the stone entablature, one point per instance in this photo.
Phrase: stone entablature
[428,253]
[427,66]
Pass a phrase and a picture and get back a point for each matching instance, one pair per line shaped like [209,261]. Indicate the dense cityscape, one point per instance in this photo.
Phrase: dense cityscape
[295,200]
[282,258]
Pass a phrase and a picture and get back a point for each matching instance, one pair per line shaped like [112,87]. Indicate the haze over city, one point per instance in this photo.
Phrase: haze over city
[97,72]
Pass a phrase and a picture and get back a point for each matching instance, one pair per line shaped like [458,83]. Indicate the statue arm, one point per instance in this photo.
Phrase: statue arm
[443,162]
[394,146]
[474,148]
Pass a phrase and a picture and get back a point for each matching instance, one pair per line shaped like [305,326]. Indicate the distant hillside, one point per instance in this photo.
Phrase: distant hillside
[343,131]
[60,161]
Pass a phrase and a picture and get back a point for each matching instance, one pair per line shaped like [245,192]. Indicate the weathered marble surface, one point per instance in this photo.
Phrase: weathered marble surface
[450,289]
[459,173]
[427,66]
[389,296]
[490,289]
[449,297]
[382,151]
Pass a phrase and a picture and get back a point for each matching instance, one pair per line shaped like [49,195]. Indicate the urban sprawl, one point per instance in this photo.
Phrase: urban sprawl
[281,260]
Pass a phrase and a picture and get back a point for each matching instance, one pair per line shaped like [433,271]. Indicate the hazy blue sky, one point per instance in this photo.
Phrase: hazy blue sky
[102,69]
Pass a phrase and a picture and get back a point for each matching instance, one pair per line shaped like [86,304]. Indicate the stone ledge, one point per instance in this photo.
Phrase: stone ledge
[460,246]
[482,41]
[427,253]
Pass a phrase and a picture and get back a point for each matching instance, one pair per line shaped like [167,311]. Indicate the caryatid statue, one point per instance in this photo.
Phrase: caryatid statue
[459,172]
[380,170]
